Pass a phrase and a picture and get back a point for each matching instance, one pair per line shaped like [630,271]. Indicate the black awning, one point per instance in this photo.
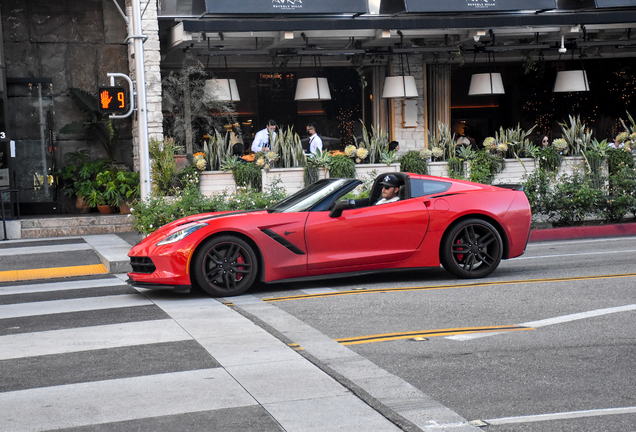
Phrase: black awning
[236,7]
[478,5]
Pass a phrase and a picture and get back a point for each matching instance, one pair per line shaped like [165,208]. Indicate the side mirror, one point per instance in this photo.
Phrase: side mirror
[340,206]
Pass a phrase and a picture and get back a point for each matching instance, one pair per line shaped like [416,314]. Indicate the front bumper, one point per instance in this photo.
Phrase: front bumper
[150,285]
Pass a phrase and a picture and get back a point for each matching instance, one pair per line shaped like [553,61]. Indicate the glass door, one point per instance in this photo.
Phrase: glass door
[30,103]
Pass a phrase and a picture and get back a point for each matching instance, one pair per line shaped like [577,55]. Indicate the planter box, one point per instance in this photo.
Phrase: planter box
[216,181]
[292,179]
[570,164]
[515,171]
[438,169]
[365,170]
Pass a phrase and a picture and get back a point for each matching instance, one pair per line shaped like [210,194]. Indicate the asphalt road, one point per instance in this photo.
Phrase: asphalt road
[570,310]
[547,343]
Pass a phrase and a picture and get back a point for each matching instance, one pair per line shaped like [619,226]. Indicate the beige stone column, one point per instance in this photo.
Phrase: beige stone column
[152,57]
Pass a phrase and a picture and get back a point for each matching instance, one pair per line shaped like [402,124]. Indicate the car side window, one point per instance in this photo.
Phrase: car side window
[420,187]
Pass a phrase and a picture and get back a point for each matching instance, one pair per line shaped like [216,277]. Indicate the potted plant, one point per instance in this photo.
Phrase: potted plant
[78,177]
[129,187]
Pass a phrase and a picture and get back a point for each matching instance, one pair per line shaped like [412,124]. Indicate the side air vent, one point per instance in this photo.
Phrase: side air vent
[142,265]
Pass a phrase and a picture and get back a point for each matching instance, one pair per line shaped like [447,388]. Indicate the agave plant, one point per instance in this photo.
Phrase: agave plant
[388,157]
[632,127]
[442,143]
[576,135]
[217,150]
[289,148]
[374,143]
[514,142]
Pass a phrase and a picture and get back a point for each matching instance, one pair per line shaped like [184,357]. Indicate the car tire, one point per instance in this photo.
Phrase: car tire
[471,249]
[224,266]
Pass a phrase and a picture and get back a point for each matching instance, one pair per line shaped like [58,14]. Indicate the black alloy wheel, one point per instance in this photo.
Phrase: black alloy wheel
[471,249]
[225,266]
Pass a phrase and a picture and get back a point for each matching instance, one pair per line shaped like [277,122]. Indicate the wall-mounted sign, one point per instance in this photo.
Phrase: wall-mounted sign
[477,5]
[113,100]
[286,7]
[614,3]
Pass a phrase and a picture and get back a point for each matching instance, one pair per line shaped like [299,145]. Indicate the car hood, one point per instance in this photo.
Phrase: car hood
[179,224]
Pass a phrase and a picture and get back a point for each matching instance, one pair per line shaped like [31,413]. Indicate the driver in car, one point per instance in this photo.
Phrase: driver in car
[390,189]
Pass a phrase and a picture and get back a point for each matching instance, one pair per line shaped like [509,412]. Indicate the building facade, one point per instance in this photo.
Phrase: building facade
[268,46]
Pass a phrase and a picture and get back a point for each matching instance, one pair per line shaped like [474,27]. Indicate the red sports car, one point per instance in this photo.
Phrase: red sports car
[467,227]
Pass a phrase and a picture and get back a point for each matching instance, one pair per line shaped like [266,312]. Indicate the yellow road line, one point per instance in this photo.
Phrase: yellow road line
[427,333]
[435,287]
[50,273]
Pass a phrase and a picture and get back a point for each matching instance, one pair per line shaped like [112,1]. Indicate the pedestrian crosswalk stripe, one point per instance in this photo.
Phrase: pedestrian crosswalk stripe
[67,285]
[90,338]
[51,273]
[108,401]
[19,310]
[31,250]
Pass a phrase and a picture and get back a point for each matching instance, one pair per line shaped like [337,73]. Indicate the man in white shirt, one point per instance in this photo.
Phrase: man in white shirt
[390,189]
[315,142]
[262,140]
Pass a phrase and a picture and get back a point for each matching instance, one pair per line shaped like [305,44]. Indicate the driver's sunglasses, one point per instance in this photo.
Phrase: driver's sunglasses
[387,187]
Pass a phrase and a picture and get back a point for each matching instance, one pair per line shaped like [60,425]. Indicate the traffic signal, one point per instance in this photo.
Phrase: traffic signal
[113,100]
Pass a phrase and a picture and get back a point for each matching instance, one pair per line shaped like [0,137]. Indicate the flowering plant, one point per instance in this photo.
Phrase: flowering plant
[266,160]
[502,147]
[560,144]
[437,152]
[199,161]
[426,154]
[357,153]
[490,143]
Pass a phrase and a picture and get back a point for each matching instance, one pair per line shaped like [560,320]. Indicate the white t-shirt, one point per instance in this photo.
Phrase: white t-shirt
[386,201]
[261,139]
[315,143]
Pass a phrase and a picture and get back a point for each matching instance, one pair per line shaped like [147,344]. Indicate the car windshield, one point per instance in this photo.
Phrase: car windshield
[305,199]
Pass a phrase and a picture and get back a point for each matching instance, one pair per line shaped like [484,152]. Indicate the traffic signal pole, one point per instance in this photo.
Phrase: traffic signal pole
[142,110]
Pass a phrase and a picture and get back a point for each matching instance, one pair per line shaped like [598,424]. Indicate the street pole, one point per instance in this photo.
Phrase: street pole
[142,110]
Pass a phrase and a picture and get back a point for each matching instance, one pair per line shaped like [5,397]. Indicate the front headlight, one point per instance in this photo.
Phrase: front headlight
[180,235]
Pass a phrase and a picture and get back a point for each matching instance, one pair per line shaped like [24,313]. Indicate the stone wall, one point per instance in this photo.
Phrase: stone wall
[75,44]
[411,138]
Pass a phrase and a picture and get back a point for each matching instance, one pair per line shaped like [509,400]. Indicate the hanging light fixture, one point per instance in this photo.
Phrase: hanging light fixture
[486,83]
[571,80]
[312,89]
[223,89]
[400,86]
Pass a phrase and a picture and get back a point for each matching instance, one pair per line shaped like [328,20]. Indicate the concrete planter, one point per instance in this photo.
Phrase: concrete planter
[292,179]
[216,181]
[515,171]
[365,170]
[438,169]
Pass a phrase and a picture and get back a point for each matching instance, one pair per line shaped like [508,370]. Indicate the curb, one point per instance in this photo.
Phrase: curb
[583,232]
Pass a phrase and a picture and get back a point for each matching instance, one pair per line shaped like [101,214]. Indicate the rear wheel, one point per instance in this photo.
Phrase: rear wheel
[471,249]
[225,266]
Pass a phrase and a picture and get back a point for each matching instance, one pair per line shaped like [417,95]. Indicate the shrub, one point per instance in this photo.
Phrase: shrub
[537,187]
[484,167]
[157,211]
[573,199]
[413,162]
[342,167]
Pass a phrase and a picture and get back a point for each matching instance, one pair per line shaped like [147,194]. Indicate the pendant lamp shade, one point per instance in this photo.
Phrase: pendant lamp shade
[571,81]
[224,90]
[402,86]
[486,84]
[312,89]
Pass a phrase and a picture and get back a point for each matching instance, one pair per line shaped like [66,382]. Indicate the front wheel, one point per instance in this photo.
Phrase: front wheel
[471,249]
[225,266]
